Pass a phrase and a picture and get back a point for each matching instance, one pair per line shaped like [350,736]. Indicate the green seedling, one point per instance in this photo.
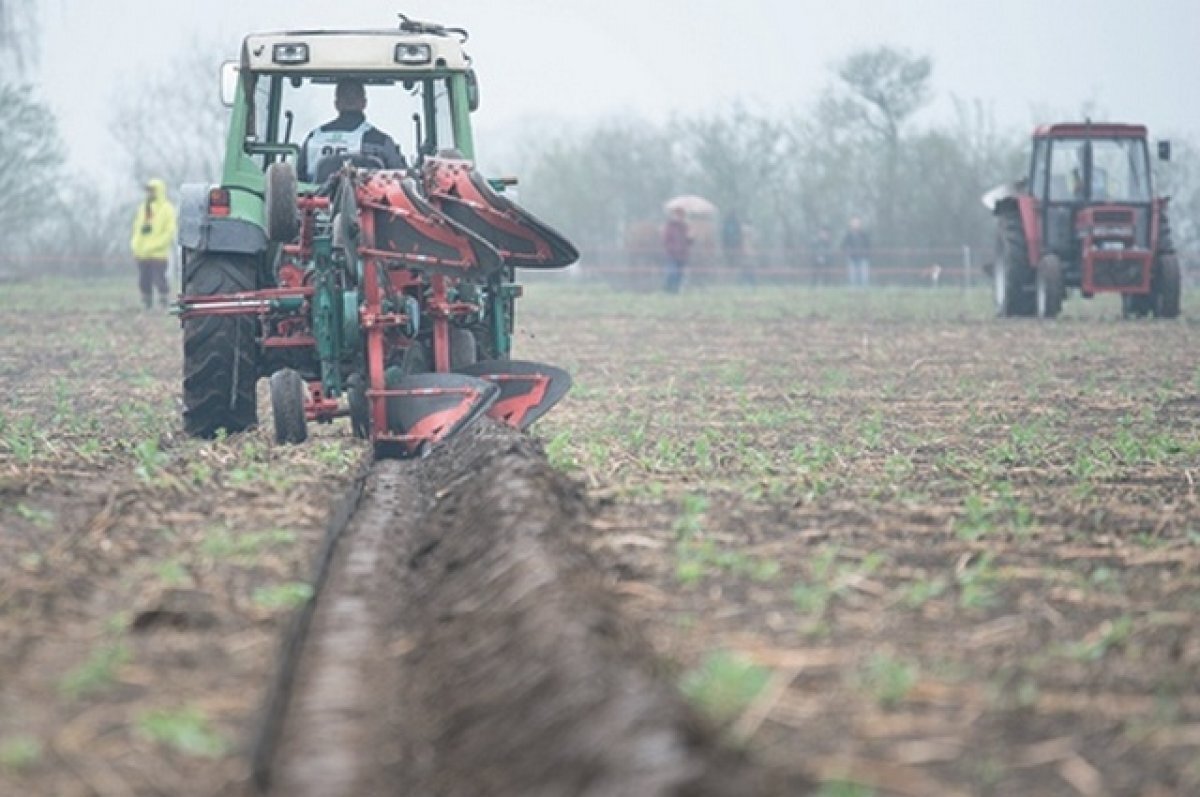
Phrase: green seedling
[41,518]
[185,730]
[844,788]
[96,674]
[888,679]
[975,584]
[19,753]
[282,596]
[222,543]
[918,593]
[691,512]
[172,573]
[1113,634]
[149,458]
[724,685]
[559,453]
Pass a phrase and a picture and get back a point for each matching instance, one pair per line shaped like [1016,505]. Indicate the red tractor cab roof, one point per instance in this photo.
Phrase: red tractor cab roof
[1077,130]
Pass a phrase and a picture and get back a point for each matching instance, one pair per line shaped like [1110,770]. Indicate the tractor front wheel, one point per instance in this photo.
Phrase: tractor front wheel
[282,215]
[1049,287]
[288,392]
[220,352]
[1010,272]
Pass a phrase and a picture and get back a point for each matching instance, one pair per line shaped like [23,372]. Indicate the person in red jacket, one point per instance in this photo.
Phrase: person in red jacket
[677,243]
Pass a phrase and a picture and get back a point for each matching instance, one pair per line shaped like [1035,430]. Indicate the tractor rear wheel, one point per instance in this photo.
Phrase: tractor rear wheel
[287,405]
[220,353]
[1011,274]
[1049,293]
[1166,287]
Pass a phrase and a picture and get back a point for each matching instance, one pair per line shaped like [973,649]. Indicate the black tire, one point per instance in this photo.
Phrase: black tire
[220,353]
[1012,278]
[1136,305]
[463,351]
[360,408]
[282,215]
[1167,287]
[1048,294]
[287,405]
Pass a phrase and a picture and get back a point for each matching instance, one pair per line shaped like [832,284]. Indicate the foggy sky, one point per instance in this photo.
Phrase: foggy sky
[572,60]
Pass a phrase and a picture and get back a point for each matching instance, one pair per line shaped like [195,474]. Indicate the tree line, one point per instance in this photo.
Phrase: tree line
[857,151]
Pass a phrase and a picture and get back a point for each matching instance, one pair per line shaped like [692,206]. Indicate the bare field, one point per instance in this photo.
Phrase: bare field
[880,538]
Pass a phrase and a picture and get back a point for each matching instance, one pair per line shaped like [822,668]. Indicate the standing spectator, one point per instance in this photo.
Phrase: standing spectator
[857,247]
[677,243]
[733,243]
[153,234]
[822,254]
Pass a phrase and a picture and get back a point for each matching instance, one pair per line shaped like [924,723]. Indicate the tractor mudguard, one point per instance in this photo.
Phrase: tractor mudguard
[200,232]
[527,390]
[994,197]
[463,194]
[410,230]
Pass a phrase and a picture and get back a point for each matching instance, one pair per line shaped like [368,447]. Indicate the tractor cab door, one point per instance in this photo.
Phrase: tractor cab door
[1064,192]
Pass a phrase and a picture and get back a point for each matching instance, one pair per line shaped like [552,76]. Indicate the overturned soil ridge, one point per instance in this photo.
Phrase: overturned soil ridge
[483,654]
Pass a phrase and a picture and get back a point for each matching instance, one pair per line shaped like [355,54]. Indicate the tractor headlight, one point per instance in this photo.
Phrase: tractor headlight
[413,54]
[290,53]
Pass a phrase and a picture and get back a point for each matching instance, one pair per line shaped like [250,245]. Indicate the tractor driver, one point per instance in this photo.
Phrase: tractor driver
[349,134]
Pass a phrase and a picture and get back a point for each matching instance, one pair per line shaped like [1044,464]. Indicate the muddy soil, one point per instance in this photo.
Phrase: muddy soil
[965,550]
[878,536]
[468,646]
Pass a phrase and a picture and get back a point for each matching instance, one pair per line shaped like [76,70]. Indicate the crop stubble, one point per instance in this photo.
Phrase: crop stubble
[962,553]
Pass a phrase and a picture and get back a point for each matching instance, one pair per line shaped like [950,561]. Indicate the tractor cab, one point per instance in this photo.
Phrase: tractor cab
[418,82]
[1092,179]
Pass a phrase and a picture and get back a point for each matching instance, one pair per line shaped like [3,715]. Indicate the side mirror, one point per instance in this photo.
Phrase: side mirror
[472,91]
[1164,150]
[229,82]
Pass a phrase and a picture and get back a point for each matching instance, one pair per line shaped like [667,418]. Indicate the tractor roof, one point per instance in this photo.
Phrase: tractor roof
[1089,130]
[326,51]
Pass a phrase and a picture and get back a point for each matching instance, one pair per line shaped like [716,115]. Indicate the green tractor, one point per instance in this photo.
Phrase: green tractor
[364,281]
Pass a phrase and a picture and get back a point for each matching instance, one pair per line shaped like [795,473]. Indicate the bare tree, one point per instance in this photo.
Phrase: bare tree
[886,86]
[32,155]
[168,120]
[18,37]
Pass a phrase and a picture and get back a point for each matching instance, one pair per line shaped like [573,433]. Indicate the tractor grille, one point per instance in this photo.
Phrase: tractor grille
[1118,272]
[1122,216]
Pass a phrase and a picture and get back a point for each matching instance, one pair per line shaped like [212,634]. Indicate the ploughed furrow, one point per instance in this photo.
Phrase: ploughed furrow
[465,645]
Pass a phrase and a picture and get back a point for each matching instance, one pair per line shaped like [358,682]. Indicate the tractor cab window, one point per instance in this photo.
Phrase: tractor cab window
[1066,171]
[414,113]
[261,108]
[1119,171]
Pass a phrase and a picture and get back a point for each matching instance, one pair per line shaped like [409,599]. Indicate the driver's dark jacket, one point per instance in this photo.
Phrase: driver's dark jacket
[375,143]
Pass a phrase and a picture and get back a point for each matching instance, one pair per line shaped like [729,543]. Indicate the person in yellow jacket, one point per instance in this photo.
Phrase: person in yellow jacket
[153,235]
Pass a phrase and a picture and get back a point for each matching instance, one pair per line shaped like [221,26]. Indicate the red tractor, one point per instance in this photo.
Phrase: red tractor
[1085,217]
